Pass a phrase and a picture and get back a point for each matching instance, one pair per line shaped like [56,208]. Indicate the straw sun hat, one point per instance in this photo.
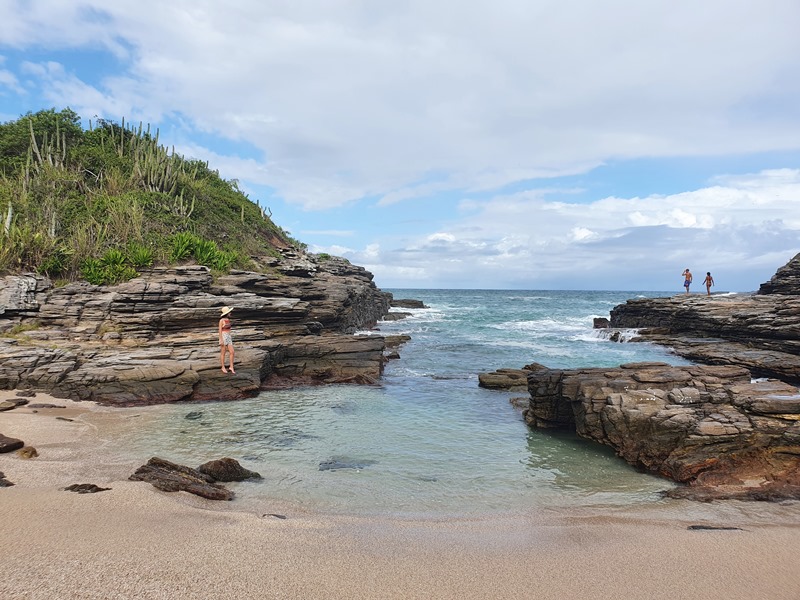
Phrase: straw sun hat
[225,310]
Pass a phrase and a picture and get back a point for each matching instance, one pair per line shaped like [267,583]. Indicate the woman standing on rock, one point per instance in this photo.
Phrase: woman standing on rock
[225,339]
[709,282]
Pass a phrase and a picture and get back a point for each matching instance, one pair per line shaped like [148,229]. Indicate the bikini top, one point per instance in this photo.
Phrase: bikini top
[226,324]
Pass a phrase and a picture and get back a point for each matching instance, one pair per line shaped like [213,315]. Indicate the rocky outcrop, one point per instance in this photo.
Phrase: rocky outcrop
[508,379]
[407,303]
[711,427]
[154,339]
[170,477]
[760,332]
[786,280]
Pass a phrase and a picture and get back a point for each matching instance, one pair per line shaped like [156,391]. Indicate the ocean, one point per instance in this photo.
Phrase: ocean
[427,441]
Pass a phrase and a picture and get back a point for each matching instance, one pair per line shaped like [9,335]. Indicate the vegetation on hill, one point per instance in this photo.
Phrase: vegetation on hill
[102,202]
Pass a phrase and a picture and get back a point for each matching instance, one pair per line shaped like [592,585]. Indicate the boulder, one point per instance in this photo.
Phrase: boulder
[227,469]
[9,444]
[170,477]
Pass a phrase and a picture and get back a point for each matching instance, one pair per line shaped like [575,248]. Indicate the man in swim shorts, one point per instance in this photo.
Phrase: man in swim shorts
[687,279]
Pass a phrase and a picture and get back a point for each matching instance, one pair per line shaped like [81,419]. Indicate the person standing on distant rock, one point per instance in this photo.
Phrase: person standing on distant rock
[709,282]
[687,279]
[225,339]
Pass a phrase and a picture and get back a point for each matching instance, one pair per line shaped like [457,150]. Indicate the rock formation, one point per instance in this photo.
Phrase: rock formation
[154,339]
[170,477]
[708,426]
[758,331]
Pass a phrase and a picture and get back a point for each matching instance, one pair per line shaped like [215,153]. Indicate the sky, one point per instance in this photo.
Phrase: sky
[507,144]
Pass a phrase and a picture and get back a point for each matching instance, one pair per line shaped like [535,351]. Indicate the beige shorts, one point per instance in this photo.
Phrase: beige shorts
[227,340]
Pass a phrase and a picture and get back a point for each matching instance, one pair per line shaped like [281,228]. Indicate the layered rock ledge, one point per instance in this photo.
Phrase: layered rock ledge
[760,332]
[711,427]
[154,339]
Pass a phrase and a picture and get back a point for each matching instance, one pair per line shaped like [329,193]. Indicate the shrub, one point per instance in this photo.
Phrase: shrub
[205,252]
[139,256]
[56,263]
[113,258]
[92,271]
[223,260]
[112,268]
[183,245]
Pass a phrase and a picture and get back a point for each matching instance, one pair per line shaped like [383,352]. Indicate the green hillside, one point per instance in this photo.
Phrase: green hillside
[102,202]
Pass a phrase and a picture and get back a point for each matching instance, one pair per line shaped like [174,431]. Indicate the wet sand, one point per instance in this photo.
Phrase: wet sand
[137,542]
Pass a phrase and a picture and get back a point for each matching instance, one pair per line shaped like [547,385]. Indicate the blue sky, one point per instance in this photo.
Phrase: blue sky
[507,144]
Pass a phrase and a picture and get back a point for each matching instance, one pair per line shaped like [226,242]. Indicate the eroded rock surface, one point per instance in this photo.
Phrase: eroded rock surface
[758,331]
[711,427]
[170,477]
[154,339]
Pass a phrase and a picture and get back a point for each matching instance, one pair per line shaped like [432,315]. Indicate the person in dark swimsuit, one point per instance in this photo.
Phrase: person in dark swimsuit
[225,339]
[709,282]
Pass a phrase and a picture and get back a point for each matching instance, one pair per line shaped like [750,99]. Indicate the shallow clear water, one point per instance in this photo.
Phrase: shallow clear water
[427,441]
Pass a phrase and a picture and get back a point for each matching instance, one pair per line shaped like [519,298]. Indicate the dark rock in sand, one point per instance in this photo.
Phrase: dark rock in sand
[12,404]
[45,405]
[85,488]
[171,477]
[3,481]
[227,469]
[27,452]
[26,394]
[8,444]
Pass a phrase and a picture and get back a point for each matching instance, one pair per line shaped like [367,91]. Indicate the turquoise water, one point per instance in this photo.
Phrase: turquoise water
[427,441]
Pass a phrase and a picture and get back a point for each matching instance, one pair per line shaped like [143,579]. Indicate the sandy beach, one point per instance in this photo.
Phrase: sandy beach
[134,541]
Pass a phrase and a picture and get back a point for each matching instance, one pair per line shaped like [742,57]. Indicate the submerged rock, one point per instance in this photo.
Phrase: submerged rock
[337,463]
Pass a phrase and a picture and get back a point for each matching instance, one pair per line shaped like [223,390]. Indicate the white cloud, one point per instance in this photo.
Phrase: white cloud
[525,241]
[427,101]
[346,102]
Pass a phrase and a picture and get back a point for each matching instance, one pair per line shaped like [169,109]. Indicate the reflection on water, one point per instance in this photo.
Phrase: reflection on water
[438,447]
